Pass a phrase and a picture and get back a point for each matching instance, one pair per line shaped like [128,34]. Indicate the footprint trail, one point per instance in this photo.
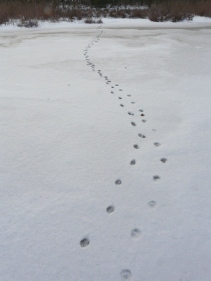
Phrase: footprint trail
[136,232]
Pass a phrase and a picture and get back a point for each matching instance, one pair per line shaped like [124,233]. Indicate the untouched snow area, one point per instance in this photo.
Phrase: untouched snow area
[105,155]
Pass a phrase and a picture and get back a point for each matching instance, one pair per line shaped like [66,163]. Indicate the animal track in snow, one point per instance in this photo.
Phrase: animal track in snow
[118,182]
[133,162]
[84,242]
[152,204]
[141,136]
[156,178]
[156,144]
[135,233]
[126,274]
[110,209]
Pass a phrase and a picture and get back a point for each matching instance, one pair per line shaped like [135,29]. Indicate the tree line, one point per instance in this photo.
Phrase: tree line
[104,3]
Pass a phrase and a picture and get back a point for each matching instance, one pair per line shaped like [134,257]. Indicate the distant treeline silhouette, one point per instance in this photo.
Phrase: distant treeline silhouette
[104,3]
[29,12]
[148,3]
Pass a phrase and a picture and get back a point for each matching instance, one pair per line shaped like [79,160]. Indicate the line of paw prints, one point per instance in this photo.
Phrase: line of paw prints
[136,232]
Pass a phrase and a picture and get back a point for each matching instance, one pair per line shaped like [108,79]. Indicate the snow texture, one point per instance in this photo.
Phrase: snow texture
[105,155]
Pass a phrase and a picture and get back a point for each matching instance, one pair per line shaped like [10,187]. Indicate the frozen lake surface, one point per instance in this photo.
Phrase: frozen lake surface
[105,162]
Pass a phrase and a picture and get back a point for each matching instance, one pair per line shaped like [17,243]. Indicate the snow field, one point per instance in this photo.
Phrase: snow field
[106,156]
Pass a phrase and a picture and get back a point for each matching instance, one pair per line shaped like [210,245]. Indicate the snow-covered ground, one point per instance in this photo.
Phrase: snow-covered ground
[106,181]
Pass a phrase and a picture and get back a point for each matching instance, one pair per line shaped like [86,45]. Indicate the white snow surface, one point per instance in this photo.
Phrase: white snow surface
[65,139]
